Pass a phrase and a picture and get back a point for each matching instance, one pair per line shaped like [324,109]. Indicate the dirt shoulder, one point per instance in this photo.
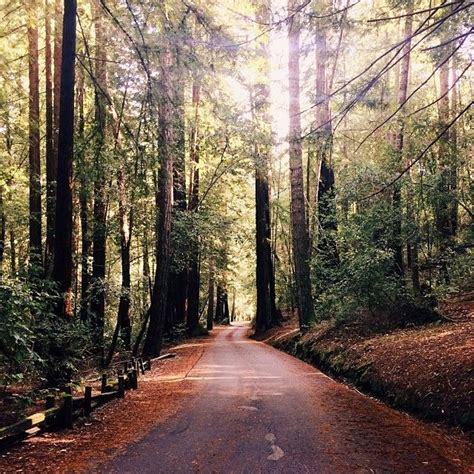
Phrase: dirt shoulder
[112,427]
[426,370]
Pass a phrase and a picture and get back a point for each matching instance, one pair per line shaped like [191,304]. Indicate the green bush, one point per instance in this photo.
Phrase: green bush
[34,342]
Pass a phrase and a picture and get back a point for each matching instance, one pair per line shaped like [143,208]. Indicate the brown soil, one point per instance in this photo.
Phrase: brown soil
[113,426]
[427,370]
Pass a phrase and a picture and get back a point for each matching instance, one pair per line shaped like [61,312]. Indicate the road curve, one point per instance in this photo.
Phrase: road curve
[256,409]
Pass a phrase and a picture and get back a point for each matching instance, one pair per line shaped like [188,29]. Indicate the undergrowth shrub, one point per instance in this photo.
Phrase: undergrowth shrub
[34,343]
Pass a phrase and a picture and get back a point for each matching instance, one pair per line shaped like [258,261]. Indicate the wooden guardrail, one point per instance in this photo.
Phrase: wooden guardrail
[112,385]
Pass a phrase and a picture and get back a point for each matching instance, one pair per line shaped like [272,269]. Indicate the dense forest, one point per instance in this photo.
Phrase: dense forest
[168,165]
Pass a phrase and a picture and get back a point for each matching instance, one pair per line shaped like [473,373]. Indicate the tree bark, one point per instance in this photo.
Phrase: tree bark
[446,205]
[326,199]
[35,238]
[192,316]
[154,336]
[399,144]
[210,308]
[3,231]
[219,316]
[84,205]
[297,206]
[62,271]
[126,225]
[266,308]
[178,279]
[100,204]
[50,158]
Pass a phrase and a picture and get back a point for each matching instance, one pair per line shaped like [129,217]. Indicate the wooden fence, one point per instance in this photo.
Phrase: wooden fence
[113,384]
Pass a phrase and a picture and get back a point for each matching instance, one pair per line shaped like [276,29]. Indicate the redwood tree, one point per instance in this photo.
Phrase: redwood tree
[62,272]
[35,243]
[297,206]
[154,335]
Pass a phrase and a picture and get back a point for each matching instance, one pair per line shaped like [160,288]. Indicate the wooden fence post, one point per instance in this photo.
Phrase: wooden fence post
[50,401]
[121,387]
[66,415]
[142,366]
[149,363]
[103,385]
[88,400]
[129,379]
[134,379]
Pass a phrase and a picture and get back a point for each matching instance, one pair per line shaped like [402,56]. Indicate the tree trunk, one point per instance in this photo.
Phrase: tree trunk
[82,175]
[446,205]
[35,240]
[100,204]
[192,317]
[178,279]
[154,336]
[3,228]
[210,308]
[266,307]
[50,159]
[62,272]
[123,317]
[399,143]
[226,312]
[219,304]
[326,199]
[297,207]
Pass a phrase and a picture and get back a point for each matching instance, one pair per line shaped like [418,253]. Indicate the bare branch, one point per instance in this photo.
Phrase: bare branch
[418,12]
[421,155]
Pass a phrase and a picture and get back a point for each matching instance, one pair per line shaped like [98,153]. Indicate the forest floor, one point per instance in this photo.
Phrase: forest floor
[427,370]
[113,426]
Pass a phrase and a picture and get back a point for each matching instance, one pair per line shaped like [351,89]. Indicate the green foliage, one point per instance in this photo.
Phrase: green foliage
[364,276]
[33,341]
[16,335]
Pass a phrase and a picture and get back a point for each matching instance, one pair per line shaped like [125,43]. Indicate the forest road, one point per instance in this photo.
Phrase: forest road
[256,409]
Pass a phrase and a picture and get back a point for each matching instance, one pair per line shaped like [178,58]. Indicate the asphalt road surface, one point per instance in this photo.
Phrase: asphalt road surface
[256,409]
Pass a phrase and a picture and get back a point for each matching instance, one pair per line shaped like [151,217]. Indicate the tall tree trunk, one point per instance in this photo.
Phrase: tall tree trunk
[192,316]
[297,207]
[226,312]
[453,209]
[154,336]
[210,308]
[126,225]
[52,163]
[35,240]
[50,159]
[62,271]
[3,229]
[266,307]
[177,291]
[446,205]
[84,198]
[219,303]
[326,199]
[232,311]
[399,143]
[13,266]
[100,204]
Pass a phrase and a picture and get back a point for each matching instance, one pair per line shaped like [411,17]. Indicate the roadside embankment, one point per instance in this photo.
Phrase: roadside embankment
[427,370]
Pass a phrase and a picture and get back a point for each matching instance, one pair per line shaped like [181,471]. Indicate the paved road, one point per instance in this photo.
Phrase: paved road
[256,409]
